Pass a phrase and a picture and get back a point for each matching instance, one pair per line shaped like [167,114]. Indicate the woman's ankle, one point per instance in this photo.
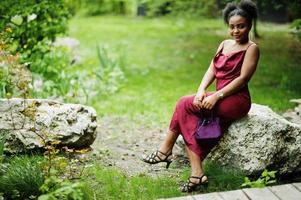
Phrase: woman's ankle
[164,152]
[200,177]
[197,173]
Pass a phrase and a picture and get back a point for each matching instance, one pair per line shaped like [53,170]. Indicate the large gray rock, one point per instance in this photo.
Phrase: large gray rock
[30,123]
[294,115]
[262,139]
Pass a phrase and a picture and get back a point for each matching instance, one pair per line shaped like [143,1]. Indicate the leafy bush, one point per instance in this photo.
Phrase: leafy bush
[296,25]
[109,74]
[15,78]
[55,188]
[294,9]
[266,178]
[2,142]
[29,28]
[51,76]
[100,7]
[30,25]
[22,177]
[182,7]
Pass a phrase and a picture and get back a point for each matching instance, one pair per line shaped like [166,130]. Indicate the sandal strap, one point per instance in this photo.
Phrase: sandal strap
[164,154]
[154,157]
[190,186]
[197,177]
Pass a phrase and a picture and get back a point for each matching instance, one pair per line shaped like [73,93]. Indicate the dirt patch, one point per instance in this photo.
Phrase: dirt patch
[122,142]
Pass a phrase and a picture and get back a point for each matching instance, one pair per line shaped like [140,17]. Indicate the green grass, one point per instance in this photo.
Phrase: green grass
[167,57]
[109,183]
[21,177]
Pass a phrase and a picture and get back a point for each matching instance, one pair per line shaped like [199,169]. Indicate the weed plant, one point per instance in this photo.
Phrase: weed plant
[266,178]
[2,143]
[109,74]
[22,177]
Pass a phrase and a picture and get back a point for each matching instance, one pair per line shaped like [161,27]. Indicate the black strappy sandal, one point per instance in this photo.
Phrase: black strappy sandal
[154,158]
[190,186]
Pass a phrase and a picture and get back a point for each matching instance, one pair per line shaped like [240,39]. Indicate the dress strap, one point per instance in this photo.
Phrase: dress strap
[249,46]
[221,49]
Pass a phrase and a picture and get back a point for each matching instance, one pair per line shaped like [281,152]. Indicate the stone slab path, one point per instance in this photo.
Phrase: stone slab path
[279,192]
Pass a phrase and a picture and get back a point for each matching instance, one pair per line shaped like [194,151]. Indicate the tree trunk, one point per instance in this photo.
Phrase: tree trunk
[256,35]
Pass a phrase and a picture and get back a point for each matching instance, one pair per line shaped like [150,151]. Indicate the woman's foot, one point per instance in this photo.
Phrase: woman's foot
[194,182]
[158,157]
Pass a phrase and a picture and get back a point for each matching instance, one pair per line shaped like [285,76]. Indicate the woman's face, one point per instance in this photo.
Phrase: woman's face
[239,28]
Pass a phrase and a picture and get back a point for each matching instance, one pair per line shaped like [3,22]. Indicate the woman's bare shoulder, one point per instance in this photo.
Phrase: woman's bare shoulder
[252,43]
[221,45]
[253,51]
[253,47]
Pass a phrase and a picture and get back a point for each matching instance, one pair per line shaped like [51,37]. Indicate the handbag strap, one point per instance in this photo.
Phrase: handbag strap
[204,114]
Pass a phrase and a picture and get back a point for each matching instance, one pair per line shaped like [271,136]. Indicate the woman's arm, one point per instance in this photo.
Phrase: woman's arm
[247,70]
[207,79]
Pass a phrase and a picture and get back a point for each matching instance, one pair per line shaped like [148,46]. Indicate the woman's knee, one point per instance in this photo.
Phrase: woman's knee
[185,101]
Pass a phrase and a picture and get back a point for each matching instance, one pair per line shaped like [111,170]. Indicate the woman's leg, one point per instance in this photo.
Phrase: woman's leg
[195,163]
[197,177]
[168,143]
[164,152]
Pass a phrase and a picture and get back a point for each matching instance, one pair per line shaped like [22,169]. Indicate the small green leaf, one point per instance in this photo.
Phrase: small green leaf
[17,19]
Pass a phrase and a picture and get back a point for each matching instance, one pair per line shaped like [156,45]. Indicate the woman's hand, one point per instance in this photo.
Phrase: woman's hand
[209,101]
[199,97]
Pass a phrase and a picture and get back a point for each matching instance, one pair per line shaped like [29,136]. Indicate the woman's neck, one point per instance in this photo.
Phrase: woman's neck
[243,41]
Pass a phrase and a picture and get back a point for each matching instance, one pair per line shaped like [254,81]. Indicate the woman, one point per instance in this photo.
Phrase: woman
[232,67]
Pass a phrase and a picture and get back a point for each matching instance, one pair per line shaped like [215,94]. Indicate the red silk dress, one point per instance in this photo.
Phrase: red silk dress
[233,107]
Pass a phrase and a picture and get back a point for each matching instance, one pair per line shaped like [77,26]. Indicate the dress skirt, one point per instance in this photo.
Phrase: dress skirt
[186,116]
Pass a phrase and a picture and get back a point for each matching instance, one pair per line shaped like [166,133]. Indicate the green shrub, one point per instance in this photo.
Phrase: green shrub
[15,78]
[52,76]
[22,177]
[182,7]
[2,142]
[55,188]
[31,24]
[3,135]
[294,9]
[29,28]
[296,25]
[100,7]
[266,178]
[109,74]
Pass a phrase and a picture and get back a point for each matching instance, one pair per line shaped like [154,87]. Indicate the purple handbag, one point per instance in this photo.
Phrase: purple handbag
[208,128]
